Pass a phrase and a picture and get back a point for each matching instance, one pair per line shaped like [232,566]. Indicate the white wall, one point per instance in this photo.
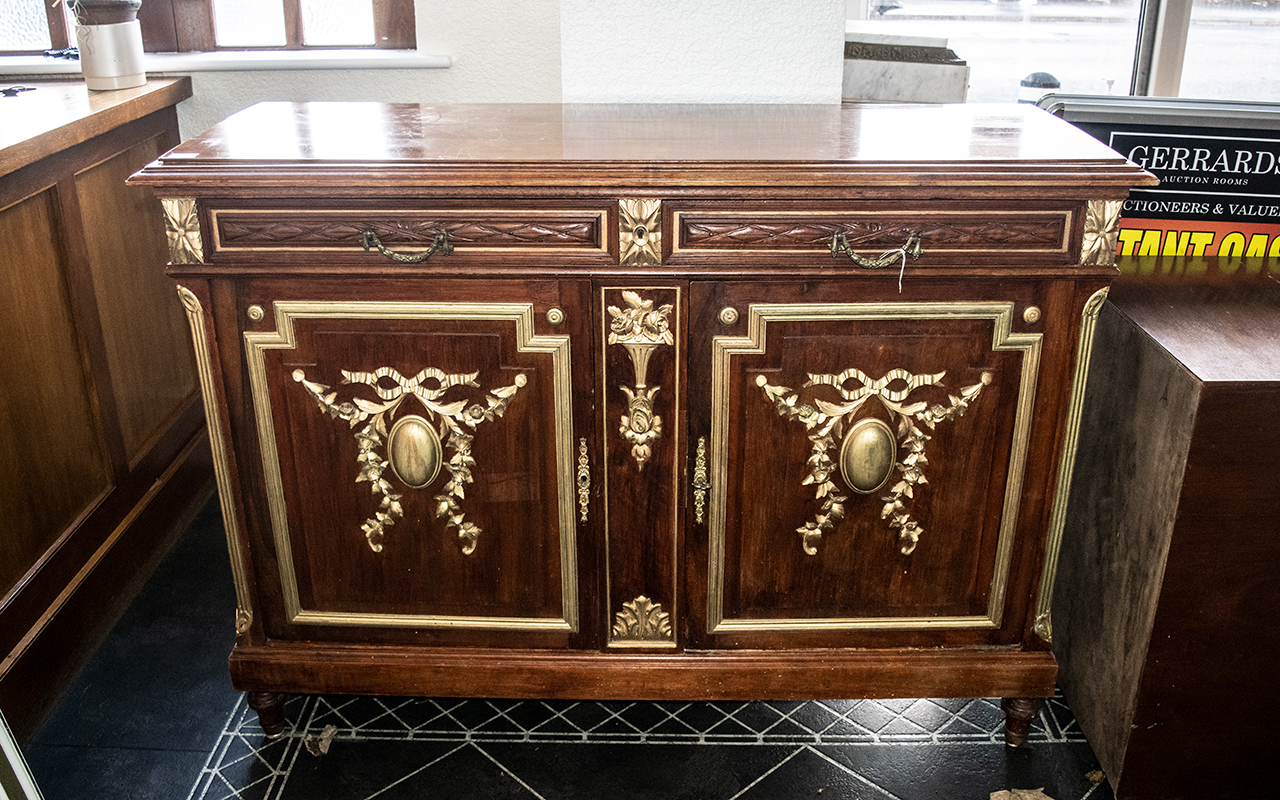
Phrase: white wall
[504,51]
[548,51]
[710,51]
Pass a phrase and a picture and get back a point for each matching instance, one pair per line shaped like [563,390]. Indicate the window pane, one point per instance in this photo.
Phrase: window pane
[248,23]
[337,22]
[1233,51]
[23,25]
[1087,46]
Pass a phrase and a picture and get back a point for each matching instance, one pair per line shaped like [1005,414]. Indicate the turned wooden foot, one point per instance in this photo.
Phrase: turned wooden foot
[270,708]
[1018,713]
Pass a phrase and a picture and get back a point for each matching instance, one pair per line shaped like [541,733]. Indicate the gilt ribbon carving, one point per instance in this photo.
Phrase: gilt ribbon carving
[456,419]
[826,421]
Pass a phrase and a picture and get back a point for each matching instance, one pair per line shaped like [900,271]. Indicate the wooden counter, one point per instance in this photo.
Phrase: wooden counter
[102,453]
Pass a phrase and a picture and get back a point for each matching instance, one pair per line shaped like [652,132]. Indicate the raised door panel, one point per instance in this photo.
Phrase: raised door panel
[866,460]
[418,464]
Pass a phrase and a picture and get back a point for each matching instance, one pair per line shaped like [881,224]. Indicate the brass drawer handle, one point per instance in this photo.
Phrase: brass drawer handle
[840,244]
[441,244]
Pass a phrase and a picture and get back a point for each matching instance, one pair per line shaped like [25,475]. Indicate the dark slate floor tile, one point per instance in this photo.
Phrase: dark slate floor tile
[400,771]
[805,773]
[113,773]
[194,579]
[667,771]
[949,771]
[162,684]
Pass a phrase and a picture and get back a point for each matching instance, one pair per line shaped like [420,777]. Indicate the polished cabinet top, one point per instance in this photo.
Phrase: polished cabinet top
[683,145]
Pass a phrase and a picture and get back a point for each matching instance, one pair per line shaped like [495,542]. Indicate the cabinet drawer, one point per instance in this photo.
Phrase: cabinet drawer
[947,235]
[282,230]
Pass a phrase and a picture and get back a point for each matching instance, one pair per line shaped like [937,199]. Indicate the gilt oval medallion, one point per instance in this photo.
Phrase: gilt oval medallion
[867,455]
[413,448]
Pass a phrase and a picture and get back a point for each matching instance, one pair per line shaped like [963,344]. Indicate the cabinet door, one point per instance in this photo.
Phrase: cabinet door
[864,456]
[418,458]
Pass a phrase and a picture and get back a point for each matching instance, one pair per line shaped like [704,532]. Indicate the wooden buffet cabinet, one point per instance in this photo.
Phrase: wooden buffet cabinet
[640,426]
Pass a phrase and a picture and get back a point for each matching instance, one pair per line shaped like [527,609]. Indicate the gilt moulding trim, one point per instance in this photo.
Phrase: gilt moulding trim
[1070,444]
[640,328]
[700,483]
[221,459]
[825,422]
[458,418]
[584,480]
[642,622]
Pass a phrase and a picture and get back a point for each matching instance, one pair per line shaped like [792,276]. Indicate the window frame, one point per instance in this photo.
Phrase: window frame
[185,26]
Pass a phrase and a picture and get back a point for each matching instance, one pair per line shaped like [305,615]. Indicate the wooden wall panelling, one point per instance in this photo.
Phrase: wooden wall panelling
[88,510]
[54,465]
[34,673]
[144,333]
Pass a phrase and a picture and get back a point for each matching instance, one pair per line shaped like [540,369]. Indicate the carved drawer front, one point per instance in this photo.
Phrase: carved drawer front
[418,463]
[930,236]
[866,463]
[482,228]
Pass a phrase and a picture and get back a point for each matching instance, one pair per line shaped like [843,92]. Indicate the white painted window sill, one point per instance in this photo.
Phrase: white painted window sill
[241,61]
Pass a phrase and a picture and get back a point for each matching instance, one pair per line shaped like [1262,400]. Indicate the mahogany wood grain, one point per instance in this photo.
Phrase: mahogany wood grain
[270,709]
[649,676]
[859,570]
[1019,713]
[848,151]
[642,499]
